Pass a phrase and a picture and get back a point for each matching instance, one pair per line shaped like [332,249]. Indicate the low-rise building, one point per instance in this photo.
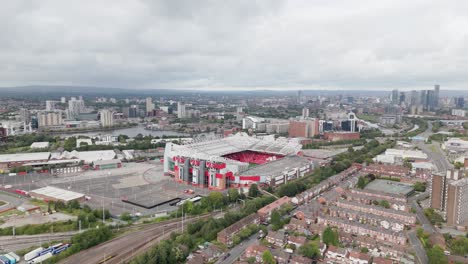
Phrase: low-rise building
[276,238]
[265,212]
[359,258]
[401,216]
[336,253]
[255,251]
[298,241]
[226,235]
[387,170]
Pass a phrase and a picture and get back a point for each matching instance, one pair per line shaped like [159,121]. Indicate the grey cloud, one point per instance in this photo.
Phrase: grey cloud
[235,44]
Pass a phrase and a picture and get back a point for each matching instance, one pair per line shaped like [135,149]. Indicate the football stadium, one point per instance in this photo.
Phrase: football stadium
[235,161]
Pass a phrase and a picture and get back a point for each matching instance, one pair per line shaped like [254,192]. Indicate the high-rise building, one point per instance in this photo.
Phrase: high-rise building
[149,105]
[75,107]
[181,110]
[305,112]
[459,102]
[25,115]
[299,97]
[50,105]
[106,118]
[457,201]
[46,119]
[395,97]
[438,191]
[303,128]
[63,100]
[435,102]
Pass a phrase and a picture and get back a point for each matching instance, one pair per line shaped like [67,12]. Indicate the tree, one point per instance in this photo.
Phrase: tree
[436,255]
[215,199]
[384,203]
[233,195]
[275,219]
[361,182]
[126,217]
[253,190]
[419,187]
[330,236]
[310,250]
[268,258]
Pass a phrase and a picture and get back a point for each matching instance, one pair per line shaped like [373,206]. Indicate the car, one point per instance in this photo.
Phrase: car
[226,256]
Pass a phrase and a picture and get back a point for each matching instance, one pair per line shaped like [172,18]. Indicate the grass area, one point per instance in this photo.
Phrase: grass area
[43,205]
[369,117]
[2,203]
[11,212]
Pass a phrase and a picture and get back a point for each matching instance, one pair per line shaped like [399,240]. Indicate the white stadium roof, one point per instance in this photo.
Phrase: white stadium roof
[214,149]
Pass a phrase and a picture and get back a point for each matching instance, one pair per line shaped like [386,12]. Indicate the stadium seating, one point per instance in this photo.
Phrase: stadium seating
[253,157]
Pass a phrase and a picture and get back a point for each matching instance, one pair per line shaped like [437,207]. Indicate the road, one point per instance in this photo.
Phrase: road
[126,247]
[418,247]
[433,151]
[237,251]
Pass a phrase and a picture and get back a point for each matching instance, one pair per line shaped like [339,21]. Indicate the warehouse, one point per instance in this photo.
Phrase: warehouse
[15,160]
[107,164]
[50,193]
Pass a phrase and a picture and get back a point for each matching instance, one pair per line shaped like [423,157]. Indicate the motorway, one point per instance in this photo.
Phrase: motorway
[126,247]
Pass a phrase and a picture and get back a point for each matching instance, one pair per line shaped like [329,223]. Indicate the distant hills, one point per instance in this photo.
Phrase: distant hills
[43,91]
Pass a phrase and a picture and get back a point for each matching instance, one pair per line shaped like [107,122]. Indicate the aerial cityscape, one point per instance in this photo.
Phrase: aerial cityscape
[175,132]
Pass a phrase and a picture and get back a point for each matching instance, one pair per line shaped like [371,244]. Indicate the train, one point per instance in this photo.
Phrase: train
[10,258]
[40,254]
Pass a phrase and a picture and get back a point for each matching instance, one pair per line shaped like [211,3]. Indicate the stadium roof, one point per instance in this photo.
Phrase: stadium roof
[277,167]
[214,149]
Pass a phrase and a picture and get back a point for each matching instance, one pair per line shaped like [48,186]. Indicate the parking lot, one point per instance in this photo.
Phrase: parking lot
[142,183]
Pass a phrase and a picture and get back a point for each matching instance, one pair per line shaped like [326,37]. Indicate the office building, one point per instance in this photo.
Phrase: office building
[149,105]
[106,118]
[395,97]
[435,102]
[304,127]
[459,102]
[181,110]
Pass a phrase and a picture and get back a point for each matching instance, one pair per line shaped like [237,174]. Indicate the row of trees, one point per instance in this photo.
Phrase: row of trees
[179,245]
[82,241]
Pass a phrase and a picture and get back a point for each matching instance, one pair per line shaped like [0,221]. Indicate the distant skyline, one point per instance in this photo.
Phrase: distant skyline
[236,45]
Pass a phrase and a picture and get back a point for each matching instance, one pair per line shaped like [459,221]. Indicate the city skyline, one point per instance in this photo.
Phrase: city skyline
[279,45]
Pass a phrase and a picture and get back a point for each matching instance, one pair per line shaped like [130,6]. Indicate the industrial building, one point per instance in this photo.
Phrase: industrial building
[51,193]
[15,160]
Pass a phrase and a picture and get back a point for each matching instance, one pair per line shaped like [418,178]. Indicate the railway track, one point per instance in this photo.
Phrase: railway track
[123,248]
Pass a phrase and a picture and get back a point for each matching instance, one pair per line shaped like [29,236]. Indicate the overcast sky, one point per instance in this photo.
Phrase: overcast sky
[242,44]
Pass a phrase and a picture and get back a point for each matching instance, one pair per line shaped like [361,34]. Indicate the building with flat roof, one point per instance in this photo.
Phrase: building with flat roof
[39,145]
[16,160]
[50,193]
[391,187]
